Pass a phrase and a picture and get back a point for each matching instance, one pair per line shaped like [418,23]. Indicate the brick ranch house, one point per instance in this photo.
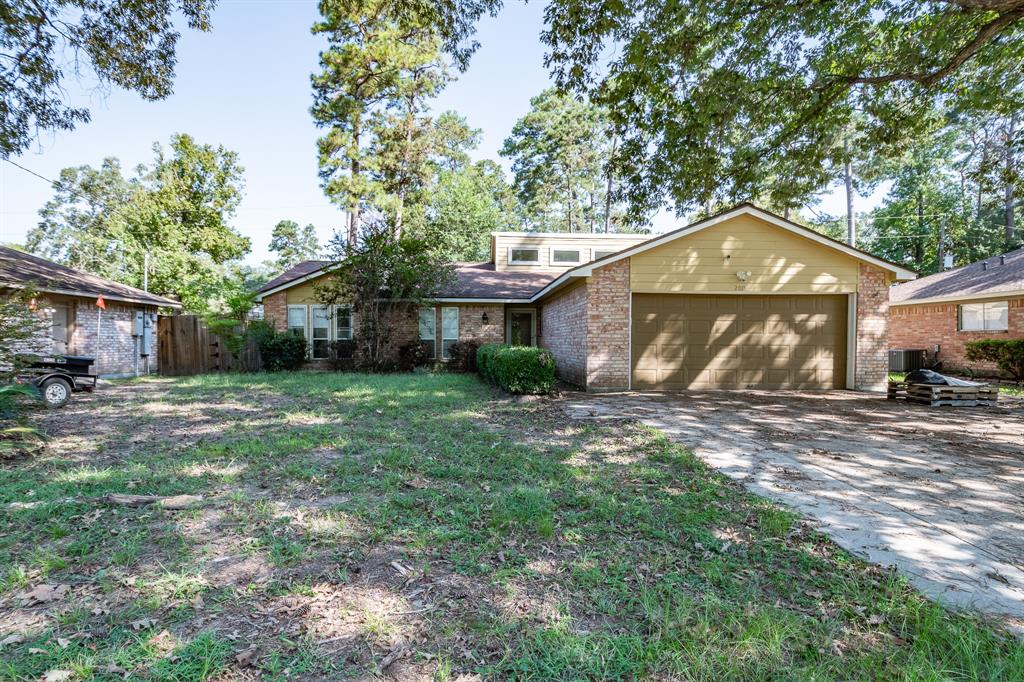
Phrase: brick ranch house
[742,299]
[122,338]
[942,312]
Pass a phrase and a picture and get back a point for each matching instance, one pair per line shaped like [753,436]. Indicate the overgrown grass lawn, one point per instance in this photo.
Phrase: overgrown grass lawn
[425,527]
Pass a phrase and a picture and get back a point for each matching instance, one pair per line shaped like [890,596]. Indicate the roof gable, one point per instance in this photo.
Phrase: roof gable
[20,269]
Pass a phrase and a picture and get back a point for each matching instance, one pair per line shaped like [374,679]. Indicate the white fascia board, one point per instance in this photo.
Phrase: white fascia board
[482,300]
[981,295]
[168,303]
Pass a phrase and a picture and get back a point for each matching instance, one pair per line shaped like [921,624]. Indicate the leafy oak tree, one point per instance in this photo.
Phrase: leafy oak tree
[719,101]
[177,211]
[293,244]
[125,43]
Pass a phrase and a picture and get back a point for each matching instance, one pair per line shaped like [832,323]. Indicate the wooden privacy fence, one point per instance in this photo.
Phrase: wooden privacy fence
[185,346]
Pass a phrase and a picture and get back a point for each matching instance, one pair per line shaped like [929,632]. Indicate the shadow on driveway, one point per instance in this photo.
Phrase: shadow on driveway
[937,492]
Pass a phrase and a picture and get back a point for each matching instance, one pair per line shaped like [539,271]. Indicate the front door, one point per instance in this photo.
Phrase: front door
[520,327]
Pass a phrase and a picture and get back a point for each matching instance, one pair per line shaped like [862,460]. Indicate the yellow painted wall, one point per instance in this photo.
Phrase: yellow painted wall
[303,293]
[778,260]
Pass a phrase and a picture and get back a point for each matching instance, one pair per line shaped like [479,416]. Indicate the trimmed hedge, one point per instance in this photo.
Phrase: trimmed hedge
[517,369]
[1007,354]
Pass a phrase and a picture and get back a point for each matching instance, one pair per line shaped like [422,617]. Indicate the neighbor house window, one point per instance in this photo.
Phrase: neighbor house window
[449,331]
[598,255]
[297,320]
[565,256]
[342,323]
[428,334]
[321,332]
[525,256]
[988,317]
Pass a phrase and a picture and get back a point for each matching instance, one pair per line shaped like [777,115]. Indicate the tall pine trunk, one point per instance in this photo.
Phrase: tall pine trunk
[851,228]
[353,216]
[919,241]
[1010,177]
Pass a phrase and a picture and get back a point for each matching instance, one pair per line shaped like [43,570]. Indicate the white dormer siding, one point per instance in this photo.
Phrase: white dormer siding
[555,251]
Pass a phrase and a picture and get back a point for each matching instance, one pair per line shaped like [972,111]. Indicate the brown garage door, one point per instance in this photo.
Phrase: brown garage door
[683,341]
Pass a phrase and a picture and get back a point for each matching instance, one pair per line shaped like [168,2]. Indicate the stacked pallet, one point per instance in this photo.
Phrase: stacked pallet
[936,395]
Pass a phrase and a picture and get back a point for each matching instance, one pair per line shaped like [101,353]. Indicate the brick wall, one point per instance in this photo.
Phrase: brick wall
[116,350]
[275,310]
[872,343]
[608,298]
[924,326]
[564,333]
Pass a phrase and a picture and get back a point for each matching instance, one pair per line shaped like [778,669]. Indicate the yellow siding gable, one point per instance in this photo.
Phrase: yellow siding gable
[778,262]
[303,293]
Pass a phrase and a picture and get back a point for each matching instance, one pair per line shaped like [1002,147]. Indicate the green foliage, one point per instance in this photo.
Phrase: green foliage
[723,101]
[128,44]
[20,325]
[464,356]
[12,397]
[466,205]
[386,280]
[177,211]
[517,369]
[293,244]
[1007,354]
[560,154]
[280,350]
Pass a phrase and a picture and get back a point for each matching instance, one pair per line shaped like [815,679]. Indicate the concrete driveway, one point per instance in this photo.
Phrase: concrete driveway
[937,492]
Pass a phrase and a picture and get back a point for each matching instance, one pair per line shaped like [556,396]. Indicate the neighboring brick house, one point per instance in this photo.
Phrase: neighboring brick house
[942,312]
[121,337]
[742,299]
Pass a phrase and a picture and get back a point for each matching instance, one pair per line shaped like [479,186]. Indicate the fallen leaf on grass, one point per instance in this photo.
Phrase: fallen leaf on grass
[44,593]
[247,657]
[57,675]
[876,619]
[11,639]
[143,623]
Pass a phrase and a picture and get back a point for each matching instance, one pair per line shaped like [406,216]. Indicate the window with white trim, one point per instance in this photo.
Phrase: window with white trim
[598,255]
[988,317]
[449,331]
[428,329]
[297,320]
[321,326]
[522,256]
[342,323]
[565,256]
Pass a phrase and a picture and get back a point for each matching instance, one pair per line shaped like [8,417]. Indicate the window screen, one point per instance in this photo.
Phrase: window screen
[343,323]
[427,331]
[524,255]
[565,256]
[449,330]
[321,332]
[984,316]
[297,319]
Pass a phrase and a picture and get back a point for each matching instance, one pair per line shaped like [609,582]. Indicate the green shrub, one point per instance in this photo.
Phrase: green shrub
[1007,354]
[464,356]
[281,350]
[517,369]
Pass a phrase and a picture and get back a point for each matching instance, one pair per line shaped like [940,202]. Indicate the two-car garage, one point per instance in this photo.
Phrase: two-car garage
[692,341]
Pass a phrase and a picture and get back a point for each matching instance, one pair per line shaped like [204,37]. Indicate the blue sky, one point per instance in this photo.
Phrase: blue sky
[246,85]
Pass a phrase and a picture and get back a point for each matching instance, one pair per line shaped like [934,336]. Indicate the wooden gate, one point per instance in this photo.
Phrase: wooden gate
[185,346]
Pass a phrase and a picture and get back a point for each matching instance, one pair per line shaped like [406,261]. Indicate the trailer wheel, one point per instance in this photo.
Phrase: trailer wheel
[56,392]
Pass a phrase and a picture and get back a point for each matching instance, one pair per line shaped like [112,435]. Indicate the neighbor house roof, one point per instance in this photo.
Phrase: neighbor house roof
[998,275]
[25,271]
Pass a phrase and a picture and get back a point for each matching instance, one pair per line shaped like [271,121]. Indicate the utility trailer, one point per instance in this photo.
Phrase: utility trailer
[57,376]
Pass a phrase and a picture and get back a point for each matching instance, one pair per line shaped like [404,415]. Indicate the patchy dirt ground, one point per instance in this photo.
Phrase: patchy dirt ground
[336,526]
[936,492]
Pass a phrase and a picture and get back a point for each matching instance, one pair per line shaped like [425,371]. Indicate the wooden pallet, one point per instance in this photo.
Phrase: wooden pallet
[943,395]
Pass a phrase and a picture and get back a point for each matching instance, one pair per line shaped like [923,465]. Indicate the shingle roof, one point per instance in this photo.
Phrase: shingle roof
[481,280]
[23,269]
[1003,273]
[302,269]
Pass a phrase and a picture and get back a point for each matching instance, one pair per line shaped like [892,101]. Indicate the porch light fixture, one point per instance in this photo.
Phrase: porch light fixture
[483,318]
